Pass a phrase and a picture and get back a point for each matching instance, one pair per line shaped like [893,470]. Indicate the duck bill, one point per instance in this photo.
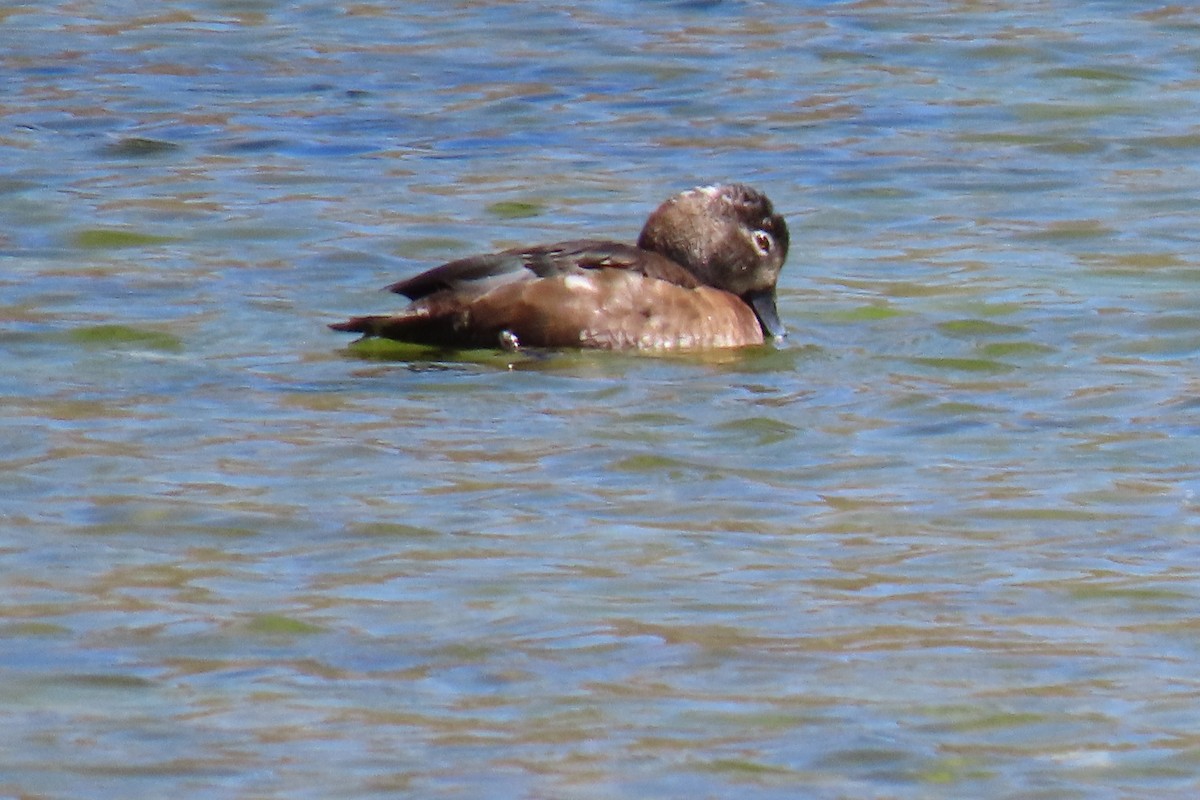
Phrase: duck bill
[763,303]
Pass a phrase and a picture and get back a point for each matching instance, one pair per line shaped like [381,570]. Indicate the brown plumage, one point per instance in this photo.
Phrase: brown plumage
[702,275]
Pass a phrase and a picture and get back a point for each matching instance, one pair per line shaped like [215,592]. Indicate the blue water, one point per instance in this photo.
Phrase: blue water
[942,543]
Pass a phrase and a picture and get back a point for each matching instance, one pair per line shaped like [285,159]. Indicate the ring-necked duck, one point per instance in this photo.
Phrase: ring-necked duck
[702,275]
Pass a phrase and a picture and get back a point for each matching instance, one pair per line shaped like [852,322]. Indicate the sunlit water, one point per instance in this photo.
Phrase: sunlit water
[943,543]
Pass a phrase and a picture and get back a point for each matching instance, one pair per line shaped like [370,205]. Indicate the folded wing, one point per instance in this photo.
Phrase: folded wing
[477,274]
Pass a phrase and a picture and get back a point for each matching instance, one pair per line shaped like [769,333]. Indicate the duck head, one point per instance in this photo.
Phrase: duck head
[730,238]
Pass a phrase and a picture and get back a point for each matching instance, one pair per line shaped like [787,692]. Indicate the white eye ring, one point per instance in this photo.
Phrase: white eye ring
[762,242]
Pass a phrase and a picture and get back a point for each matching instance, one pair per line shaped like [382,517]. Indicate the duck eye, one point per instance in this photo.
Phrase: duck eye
[763,242]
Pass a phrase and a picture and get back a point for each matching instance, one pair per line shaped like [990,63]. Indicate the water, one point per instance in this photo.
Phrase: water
[941,544]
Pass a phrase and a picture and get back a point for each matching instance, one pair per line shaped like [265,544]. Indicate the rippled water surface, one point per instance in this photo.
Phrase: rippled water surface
[943,543]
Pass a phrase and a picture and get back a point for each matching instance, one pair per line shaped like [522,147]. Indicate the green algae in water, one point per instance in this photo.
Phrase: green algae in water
[998,720]
[1126,593]
[138,147]
[1050,514]
[952,409]
[124,336]
[467,652]
[982,365]
[978,327]
[645,463]
[1133,263]
[1072,147]
[1005,52]
[1006,138]
[386,349]
[515,209]
[393,530]
[1053,112]
[1013,349]
[427,246]
[761,430]
[977,309]
[1090,74]
[740,767]
[1073,230]
[279,625]
[116,238]
[377,348]
[869,313]
[1185,141]
[93,680]
[953,770]
[32,629]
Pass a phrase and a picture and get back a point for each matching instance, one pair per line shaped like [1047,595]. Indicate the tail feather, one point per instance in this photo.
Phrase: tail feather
[403,327]
[363,325]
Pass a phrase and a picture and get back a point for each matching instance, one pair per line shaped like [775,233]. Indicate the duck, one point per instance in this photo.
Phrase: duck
[702,275]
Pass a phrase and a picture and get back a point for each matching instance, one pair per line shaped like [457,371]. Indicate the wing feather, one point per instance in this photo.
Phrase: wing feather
[478,274]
